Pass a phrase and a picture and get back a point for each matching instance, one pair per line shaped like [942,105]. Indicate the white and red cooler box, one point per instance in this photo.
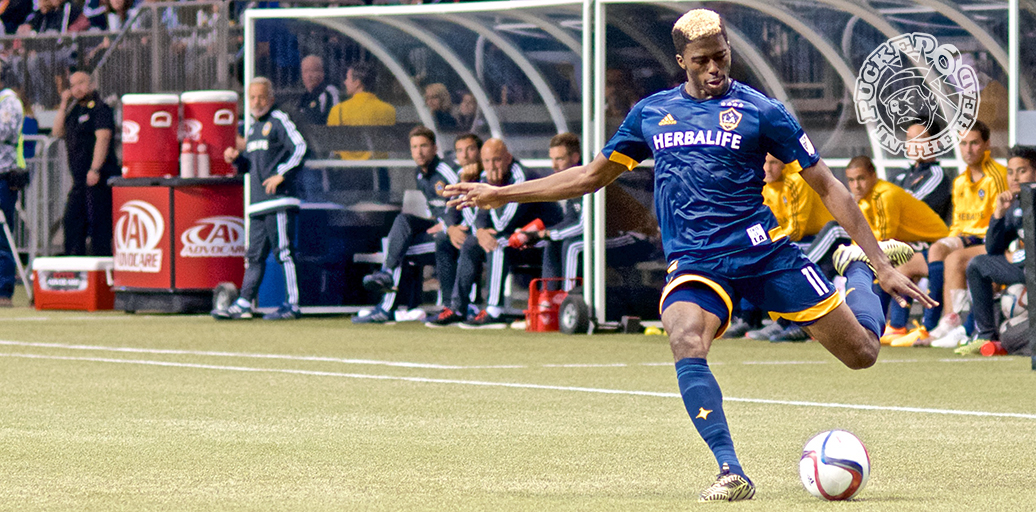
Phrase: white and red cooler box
[211,117]
[73,282]
[150,123]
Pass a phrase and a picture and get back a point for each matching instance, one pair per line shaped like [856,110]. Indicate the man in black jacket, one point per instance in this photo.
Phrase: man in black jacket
[87,124]
[412,236]
[490,243]
[273,151]
[1004,260]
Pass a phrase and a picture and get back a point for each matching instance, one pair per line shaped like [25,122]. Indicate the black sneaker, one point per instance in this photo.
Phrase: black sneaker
[376,316]
[445,317]
[728,487]
[484,321]
[379,281]
[285,312]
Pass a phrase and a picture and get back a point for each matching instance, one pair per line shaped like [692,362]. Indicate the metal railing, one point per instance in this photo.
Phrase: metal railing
[170,47]
[38,221]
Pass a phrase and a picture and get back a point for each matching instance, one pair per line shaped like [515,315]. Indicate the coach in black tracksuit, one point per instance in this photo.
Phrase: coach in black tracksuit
[412,236]
[492,229]
[274,150]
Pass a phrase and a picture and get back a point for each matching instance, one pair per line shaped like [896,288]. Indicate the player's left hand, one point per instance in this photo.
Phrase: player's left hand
[271,183]
[477,195]
[900,286]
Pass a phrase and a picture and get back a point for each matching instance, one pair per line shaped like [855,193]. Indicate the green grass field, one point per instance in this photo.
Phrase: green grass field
[109,411]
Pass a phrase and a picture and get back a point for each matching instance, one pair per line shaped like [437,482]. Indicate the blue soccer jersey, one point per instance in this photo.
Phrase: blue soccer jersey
[709,168]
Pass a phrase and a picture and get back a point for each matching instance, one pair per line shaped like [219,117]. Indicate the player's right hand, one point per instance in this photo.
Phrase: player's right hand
[230,154]
[458,234]
[900,287]
[1003,201]
[473,195]
[487,239]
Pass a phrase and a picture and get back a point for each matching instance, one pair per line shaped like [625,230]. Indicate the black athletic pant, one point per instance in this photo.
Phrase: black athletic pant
[271,231]
[982,272]
[88,213]
[408,240]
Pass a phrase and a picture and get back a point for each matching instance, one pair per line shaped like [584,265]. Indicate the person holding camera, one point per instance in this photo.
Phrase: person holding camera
[13,177]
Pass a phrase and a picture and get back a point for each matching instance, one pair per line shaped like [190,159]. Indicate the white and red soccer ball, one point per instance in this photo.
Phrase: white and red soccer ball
[835,465]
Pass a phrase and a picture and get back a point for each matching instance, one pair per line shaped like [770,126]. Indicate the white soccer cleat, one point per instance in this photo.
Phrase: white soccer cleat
[953,339]
[945,325]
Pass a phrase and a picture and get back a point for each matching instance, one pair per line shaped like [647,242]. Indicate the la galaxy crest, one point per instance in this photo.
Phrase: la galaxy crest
[266,128]
[729,119]
[440,187]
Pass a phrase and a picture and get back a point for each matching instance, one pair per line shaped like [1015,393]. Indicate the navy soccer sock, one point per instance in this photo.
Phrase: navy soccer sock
[861,299]
[935,282]
[899,315]
[704,402]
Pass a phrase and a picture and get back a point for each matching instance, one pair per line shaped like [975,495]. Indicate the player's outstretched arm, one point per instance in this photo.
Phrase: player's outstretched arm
[840,203]
[572,182]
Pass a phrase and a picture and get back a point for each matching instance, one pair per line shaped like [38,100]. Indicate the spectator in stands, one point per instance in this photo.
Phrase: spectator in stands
[893,213]
[87,124]
[1004,261]
[629,231]
[61,16]
[975,194]
[412,236]
[801,215]
[12,177]
[50,58]
[493,227]
[467,115]
[13,14]
[362,108]
[438,100]
[113,18]
[315,104]
[925,179]
[273,153]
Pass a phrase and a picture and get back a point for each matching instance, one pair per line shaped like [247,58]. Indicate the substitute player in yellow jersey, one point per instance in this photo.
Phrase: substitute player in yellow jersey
[797,207]
[892,212]
[974,199]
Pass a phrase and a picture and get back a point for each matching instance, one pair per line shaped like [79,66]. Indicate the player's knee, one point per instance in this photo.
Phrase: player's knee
[686,341]
[865,356]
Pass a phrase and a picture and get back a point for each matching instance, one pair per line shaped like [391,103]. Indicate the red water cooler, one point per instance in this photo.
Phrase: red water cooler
[149,131]
[211,117]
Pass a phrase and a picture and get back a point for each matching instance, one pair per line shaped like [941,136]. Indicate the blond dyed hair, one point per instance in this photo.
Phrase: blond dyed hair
[696,24]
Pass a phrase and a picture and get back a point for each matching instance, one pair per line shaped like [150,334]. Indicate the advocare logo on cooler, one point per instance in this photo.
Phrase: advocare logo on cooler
[214,237]
[137,235]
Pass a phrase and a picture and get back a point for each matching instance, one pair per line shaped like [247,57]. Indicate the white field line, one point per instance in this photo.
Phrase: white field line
[518,385]
[430,366]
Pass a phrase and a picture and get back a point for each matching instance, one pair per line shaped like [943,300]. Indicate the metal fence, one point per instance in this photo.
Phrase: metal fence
[37,226]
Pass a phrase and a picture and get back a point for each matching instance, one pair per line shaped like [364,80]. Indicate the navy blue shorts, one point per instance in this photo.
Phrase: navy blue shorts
[783,282]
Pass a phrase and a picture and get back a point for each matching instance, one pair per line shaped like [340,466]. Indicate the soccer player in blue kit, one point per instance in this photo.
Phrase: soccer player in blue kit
[709,137]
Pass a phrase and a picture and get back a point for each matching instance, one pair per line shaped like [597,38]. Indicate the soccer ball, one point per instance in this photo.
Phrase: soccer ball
[834,465]
[1013,301]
